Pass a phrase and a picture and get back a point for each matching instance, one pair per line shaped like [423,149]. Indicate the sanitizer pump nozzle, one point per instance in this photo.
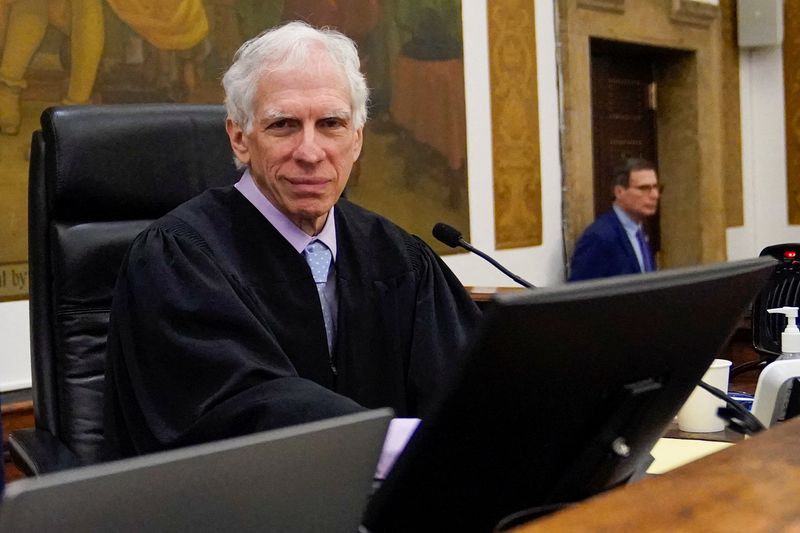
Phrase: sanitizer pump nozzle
[790,338]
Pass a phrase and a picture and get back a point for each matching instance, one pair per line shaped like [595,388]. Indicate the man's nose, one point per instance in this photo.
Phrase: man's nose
[308,149]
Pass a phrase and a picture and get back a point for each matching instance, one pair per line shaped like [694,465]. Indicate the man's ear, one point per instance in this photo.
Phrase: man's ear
[359,143]
[618,190]
[238,141]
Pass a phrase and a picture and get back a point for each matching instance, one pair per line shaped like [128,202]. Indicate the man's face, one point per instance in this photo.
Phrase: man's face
[303,143]
[640,198]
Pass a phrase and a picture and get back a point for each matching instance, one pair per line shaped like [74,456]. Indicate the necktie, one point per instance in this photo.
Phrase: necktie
[318,257]
[647,255]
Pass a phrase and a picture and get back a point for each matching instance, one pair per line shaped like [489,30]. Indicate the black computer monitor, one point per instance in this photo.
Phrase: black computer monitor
[563,394]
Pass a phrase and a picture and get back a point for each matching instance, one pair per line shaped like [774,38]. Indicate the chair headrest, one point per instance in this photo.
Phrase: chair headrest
[786,251]
[117,162]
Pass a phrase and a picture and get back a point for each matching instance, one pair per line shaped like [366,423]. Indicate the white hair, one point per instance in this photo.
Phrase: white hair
[290,46]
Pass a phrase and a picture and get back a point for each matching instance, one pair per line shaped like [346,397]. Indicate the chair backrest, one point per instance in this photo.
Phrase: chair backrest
[782,289]
[98,176]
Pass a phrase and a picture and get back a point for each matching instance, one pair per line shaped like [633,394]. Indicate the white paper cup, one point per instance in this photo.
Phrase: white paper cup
[699,413]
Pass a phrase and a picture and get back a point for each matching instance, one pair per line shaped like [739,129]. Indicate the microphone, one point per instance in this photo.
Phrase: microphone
[452,237]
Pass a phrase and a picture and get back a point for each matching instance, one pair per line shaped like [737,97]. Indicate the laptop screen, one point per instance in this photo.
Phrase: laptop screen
[307,478]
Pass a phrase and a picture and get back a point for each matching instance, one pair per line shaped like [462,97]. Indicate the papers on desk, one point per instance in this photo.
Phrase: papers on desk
[672,453]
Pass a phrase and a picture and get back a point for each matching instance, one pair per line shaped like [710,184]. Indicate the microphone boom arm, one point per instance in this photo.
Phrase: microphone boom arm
[467,246]
[452,237]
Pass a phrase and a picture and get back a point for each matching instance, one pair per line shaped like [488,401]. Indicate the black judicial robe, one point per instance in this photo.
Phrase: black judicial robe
[216,327]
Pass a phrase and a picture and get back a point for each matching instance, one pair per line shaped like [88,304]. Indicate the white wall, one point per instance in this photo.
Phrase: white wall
[15,355]
[763,155]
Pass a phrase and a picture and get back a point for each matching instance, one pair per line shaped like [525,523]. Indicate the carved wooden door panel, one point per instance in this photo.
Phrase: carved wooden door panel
[623,119]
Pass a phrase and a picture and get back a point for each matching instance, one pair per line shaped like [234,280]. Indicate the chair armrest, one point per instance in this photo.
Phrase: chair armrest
[37,452]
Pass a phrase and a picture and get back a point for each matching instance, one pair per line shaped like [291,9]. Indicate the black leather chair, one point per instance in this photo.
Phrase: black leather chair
[98,176]
[782,289]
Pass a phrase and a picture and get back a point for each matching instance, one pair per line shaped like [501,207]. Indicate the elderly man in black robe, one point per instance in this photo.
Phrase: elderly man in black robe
[275,301]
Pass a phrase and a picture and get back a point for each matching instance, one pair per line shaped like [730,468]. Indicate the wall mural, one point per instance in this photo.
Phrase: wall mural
[68,52]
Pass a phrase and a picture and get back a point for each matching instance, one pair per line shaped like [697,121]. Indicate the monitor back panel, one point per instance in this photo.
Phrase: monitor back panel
[552,379]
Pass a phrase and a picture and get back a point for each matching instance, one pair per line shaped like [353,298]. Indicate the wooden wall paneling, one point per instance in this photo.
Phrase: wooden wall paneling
[731,120]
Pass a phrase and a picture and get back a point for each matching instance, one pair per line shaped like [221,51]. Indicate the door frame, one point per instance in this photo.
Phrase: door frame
[693,99]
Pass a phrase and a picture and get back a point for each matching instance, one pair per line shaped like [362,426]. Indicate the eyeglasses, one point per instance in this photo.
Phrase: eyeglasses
[647,189]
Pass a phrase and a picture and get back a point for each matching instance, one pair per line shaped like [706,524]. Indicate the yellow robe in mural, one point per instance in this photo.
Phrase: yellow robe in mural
[166,24]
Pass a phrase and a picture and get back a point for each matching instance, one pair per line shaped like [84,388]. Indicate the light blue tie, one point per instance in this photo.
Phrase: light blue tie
[318,257]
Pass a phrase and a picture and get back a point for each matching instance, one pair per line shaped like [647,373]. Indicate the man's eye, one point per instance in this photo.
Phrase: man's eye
[279,124]
[333,123]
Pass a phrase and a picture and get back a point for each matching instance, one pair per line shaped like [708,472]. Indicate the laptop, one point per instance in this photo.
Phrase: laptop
[308,478]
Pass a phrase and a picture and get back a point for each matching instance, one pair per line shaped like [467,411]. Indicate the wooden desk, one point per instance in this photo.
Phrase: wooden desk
[752,486]
[482,296]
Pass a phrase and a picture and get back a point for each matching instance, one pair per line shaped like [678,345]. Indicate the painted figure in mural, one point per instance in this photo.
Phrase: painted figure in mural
[275,301]
[616,243]
[27,23]
[428,73]
[166,24]
[177,31]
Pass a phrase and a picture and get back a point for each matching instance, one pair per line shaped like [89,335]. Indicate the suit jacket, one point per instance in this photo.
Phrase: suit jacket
[604,250]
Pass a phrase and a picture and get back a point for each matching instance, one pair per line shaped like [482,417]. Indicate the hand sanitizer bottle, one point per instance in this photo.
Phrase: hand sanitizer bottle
[790,338]
[776,381]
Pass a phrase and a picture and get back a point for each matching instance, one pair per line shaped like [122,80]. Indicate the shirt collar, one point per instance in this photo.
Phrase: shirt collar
[296,237]
[630,225]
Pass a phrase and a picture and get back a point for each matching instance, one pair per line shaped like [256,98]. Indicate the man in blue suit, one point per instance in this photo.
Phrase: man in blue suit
[615,243]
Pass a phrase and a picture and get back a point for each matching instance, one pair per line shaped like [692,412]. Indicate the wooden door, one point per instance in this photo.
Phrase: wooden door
[623,118]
